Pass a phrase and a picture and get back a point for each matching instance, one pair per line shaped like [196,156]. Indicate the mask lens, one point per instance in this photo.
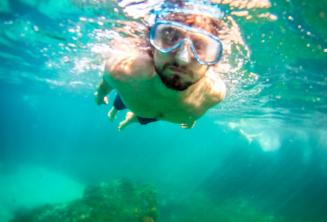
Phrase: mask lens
[167,36]
[206,48]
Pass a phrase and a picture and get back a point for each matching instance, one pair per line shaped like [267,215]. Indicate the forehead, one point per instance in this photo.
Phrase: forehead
[196,21]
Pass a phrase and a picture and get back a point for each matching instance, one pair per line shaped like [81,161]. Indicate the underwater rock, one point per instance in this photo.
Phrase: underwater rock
[119,201]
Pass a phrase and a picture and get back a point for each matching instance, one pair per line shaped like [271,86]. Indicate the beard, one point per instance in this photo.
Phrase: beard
[176,77]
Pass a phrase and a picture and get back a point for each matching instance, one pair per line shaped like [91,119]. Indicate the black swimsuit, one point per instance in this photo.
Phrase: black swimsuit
[119,105]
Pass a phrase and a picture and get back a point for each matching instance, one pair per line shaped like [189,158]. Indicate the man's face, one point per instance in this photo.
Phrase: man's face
[182,52]
[179,66]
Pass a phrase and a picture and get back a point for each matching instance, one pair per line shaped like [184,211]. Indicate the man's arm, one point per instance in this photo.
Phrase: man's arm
[101,94]
[217,87]
[126,61]
[218,91]
[129,66]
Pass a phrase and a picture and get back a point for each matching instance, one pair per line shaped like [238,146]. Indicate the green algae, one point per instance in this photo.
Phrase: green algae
[119,201]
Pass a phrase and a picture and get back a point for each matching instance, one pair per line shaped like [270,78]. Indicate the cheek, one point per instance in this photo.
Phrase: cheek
[160,59]
[200,69]
[204,69]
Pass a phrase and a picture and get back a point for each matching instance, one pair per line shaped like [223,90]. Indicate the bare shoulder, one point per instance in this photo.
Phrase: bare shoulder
[128,60]
[206,93]
[216,87]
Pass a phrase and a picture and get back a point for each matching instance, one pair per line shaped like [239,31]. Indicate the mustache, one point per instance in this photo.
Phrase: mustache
[175,67]
[175,83]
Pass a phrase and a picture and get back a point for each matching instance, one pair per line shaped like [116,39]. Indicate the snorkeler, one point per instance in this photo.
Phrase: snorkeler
[169,76]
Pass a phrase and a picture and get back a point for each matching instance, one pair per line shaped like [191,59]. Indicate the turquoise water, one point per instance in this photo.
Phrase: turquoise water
[261,155]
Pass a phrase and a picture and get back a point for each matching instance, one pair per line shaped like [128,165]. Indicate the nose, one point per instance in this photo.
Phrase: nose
[183,55]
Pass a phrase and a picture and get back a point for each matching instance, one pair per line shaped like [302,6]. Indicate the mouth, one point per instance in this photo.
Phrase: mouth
[174,77]
[177,70]
[175,82]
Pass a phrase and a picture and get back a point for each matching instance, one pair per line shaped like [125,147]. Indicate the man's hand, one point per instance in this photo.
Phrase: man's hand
[101,93]
[101,99]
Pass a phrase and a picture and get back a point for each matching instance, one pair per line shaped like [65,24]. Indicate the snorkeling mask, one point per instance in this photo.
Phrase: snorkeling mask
[169,36]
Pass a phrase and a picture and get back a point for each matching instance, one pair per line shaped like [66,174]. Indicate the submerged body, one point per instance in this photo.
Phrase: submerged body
[168,75]
[144,93]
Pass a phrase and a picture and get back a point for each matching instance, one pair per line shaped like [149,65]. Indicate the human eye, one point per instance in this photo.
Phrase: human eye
[199,45]
[170,35]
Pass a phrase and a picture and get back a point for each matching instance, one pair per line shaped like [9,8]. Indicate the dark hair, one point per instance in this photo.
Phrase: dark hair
[174,3]
[207,23]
